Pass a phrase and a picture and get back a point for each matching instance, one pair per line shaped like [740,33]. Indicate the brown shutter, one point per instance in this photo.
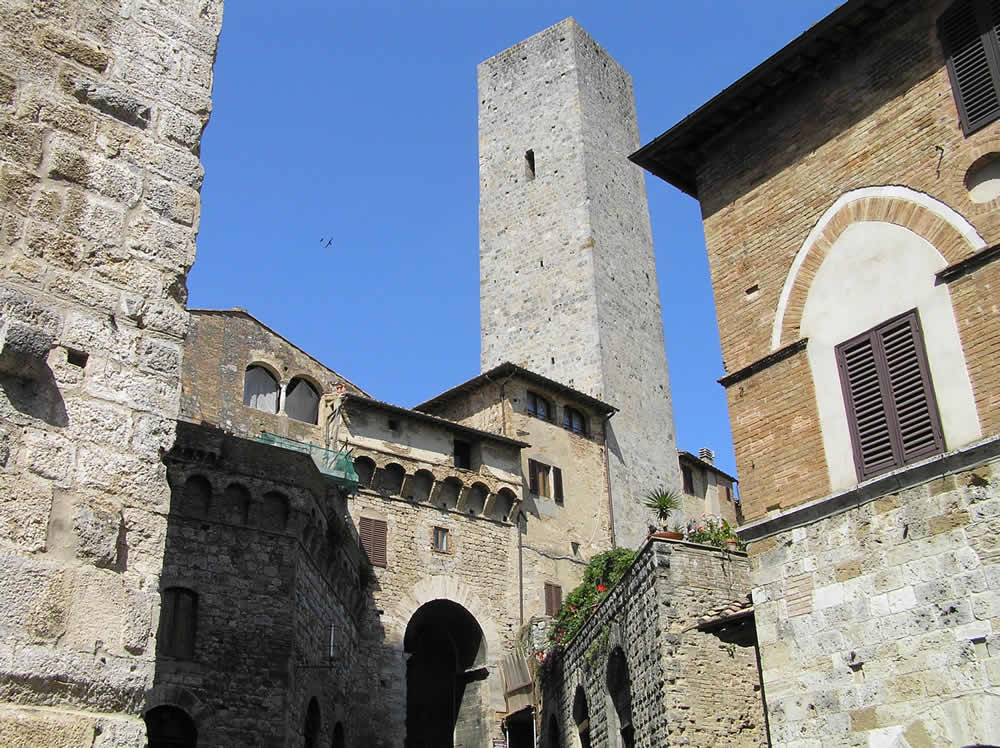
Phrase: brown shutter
[533,476]
[553,599]
[968,33]
[891,409]
[373,539]
[557,484]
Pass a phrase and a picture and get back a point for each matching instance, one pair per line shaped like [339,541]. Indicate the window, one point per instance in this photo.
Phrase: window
[969,36]
[313,725]
[260,389]
[302,401]
[687,478]
[463,454]
[545,480]
[553,599]
[373,539]
[539,407]
[574,420]
[891,410]
[529,164]
[440,541]
[727,491]
[179,619]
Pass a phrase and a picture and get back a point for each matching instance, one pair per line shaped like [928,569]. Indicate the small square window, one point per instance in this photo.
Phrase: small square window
[394,424]
[440,540]
[574,420]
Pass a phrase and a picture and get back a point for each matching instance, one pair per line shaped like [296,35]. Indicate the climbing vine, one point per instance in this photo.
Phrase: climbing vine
[602,574]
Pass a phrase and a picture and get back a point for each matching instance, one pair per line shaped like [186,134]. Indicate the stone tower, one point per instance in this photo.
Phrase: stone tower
[567,270]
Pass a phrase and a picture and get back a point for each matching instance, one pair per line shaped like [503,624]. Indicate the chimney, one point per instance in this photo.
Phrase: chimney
[706,455]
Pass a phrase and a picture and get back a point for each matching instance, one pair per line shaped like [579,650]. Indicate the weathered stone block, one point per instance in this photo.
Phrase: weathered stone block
[119,104]
[65,45]
[24,511]
[97,532]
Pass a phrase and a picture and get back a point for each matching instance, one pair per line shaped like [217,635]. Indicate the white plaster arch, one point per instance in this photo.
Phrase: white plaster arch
[891,191]
[875,271]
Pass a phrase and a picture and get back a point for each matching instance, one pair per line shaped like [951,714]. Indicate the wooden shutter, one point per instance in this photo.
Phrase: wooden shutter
[557,484]
[373,539]
[533,476]
[553,599]
[969,36]
[891,410]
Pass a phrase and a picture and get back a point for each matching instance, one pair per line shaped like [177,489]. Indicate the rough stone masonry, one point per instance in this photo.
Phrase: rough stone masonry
[102,106]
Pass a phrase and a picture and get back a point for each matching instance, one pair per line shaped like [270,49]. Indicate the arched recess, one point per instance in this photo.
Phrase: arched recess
[365,468]
[619,684]
[313,725]
[581,716]
[420,486]
[875,271]
[163,698]
[390,479]
[196,498]
[950,233]
[445,676]
[235,507]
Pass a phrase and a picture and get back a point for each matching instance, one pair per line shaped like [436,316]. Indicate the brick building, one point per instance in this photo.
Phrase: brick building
[850,211]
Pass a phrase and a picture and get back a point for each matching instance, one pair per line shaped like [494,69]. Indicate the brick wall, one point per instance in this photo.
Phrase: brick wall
[880,112]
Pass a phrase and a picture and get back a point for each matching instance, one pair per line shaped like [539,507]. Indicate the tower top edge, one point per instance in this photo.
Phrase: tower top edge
[569,26]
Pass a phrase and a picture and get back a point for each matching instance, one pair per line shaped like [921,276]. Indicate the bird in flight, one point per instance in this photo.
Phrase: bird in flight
[329,242]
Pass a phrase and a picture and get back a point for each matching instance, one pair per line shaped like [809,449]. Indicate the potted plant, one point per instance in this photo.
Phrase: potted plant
[664,502]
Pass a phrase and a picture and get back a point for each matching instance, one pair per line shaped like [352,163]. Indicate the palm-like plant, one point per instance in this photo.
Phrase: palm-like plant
[664,502]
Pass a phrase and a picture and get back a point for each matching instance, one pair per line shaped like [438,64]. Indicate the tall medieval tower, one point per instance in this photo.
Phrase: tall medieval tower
[567,270]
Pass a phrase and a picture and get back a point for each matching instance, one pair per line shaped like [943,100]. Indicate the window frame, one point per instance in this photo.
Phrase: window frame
[687,480]
[462,453]
[569,413]
[531,406]
[968,31]
[545,481]
[172,638]
[901,454]
[445,535]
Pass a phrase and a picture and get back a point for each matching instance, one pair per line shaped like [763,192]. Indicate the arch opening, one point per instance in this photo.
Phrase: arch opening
[260,389]
[302,401]
[445,677]
[581,716]
[170,727]
[620,690]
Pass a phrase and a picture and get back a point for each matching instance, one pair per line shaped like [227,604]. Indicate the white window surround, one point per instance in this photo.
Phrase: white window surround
[895,192]
[873,272]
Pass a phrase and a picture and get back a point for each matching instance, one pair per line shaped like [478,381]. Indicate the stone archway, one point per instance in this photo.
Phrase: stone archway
[445,677]
[170,727]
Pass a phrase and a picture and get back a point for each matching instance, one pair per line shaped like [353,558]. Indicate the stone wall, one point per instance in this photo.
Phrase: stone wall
[881,623]
[685,686]
[102,106]
[260,537]
[567,270]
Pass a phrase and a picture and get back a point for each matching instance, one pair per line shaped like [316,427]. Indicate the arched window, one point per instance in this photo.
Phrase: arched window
[170,727]
[178,622]
[539,407]
[574,420]
[260,389]
[313,725]
[302,401]
[365,468]
[620,691]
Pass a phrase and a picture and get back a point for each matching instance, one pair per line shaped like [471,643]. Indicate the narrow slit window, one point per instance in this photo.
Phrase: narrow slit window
[529,164]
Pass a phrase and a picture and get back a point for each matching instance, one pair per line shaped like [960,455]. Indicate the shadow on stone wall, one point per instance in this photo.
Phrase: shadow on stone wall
[265,601]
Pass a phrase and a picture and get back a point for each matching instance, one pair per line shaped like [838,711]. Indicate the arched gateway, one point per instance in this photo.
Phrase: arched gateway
[445,678]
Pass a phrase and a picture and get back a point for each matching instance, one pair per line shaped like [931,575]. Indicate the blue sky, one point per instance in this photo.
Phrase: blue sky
[357,122]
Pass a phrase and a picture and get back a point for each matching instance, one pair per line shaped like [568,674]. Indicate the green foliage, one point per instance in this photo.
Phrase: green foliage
[602,573]
[712,531]
[662,501]
[598,648]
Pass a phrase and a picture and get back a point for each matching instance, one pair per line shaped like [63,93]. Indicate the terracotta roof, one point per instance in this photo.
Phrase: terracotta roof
[731,611]
[507,369]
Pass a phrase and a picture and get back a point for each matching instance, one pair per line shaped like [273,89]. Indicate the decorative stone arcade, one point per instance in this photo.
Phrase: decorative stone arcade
[445,675]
